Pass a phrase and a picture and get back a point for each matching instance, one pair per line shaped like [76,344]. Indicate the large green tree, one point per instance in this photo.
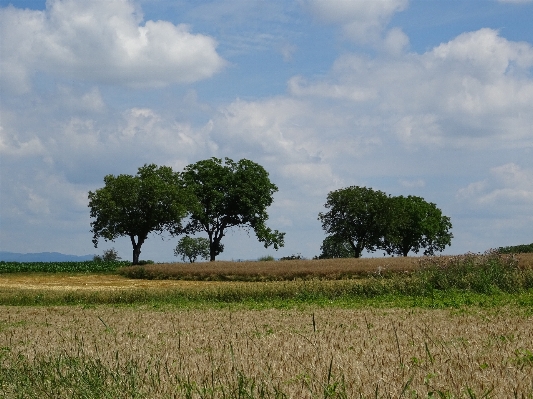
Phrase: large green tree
[357,216]
[229,194]
[151,201]
[414,225]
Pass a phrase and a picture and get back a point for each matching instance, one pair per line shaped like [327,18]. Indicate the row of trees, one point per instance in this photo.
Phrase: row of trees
[209,196]
[359,218]
[212,196]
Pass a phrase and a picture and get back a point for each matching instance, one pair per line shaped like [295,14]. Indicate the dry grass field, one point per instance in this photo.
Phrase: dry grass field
[330,269]
[364,353]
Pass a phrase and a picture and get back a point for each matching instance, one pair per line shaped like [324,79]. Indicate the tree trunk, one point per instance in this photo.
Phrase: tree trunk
[212,253]
[136,254]
[214,244]
[214,249]
[136,249]
[357,249]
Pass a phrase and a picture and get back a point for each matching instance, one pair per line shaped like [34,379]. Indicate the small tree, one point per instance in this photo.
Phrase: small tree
[335,247]
[357,216]
[229,194]
[416,224]
[110,255]
[192,248]
[134,206]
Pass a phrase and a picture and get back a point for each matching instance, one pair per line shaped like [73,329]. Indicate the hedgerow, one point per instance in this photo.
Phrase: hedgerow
[517,249]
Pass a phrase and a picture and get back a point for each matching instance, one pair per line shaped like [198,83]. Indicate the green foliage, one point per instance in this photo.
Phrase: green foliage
[192,248]
[292,257]
[415,224]
[334,247]
[517,249]
[394,291]
[524,358]
[88,375]
[110,255]
[229,194]
[61,267]
[483,274]
[134,206]
[266,258]
[358,216]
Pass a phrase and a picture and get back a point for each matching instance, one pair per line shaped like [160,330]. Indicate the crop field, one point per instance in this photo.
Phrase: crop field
[60,267]
[330,269]
[448,327]
[105,352]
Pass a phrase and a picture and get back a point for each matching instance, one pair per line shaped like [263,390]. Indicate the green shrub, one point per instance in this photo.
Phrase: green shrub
[517,249]
[110,255]
[292,257]
[484,274]
[135,272]
[266,258]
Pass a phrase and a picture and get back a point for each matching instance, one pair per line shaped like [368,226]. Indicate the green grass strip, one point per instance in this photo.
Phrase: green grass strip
[262,299]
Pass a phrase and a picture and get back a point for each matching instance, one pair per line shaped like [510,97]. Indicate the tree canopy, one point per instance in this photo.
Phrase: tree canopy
[192,248]
[151,201]
[229,194]
[356,215]
[366,219]
[335,247]
[416,224]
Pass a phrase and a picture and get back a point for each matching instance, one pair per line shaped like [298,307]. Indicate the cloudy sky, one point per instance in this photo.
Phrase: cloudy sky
[426,98]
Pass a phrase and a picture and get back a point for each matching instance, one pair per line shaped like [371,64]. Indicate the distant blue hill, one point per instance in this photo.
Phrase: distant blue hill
[42,257]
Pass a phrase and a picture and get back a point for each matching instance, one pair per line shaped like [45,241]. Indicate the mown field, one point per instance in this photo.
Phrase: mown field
[444,327]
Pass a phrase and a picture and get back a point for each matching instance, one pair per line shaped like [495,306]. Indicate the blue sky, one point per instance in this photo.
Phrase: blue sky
[427,98]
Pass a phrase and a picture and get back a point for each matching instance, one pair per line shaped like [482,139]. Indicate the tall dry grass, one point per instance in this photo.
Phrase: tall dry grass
[330,353]
[326,269]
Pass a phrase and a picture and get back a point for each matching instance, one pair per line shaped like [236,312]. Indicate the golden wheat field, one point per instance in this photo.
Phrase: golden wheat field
[300,353]
[155,349]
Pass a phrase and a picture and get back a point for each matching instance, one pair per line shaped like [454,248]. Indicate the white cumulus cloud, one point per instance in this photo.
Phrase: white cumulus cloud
[361,21]
[466,92]
[101,41]
[509,185]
